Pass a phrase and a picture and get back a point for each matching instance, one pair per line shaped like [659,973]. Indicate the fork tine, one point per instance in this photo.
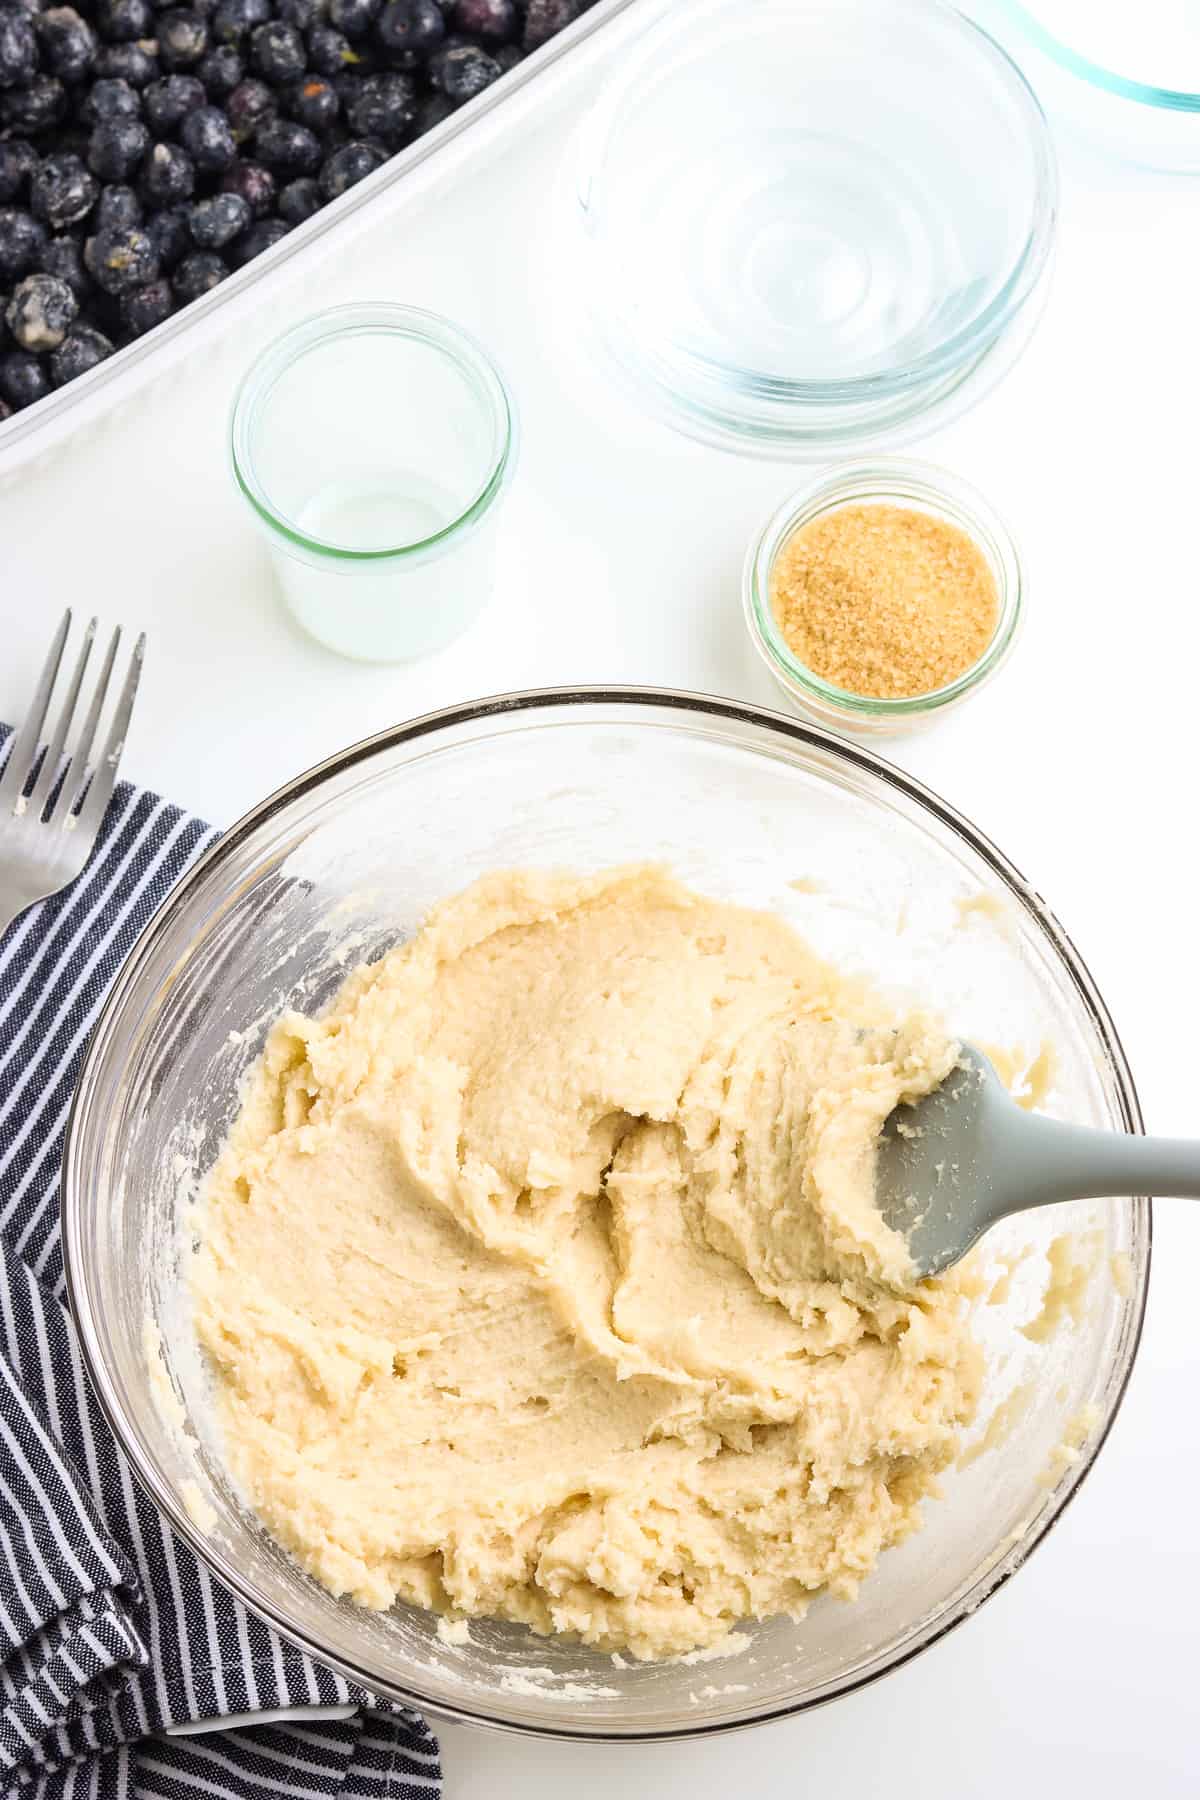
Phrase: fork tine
[24,748]
[45,780]
[77,773]
[105,778]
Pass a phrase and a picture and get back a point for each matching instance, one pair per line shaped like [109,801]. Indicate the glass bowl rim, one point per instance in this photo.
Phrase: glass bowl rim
[970,340]
[532,701]
[366,318]
[1097,75]
[885,480]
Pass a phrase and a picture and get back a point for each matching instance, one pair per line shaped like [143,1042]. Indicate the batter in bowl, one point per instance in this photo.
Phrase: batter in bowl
[541,1279]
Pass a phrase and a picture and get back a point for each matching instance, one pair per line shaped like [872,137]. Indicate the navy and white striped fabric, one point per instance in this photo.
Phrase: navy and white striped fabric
[111,1632]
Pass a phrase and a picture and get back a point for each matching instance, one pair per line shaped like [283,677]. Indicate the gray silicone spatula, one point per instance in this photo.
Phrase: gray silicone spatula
[967,1156]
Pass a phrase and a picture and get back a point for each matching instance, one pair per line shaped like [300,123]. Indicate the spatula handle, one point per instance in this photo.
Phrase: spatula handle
[1050,1161]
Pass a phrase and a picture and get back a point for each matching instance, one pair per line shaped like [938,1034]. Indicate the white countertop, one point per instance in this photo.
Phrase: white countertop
[622,553]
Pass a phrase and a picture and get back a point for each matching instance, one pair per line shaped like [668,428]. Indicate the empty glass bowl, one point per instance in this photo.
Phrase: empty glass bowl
[1127,76]
[811,221]
[876,872]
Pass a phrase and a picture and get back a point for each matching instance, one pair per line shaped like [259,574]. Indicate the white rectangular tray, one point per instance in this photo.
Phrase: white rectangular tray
[541,80]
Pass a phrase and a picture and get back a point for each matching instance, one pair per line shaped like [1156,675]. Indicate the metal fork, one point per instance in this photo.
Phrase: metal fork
[47,835]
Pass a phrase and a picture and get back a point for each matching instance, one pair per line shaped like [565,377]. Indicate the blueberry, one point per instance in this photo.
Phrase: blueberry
[117,147]
[255,184]
[63,258]
[147,307]
[545,18]
[124,21]
[262,236]
[18,160]
[110,99]
[135,63]
[246,108]
[299,200]
[216,222]
[22,240]
[463,71]
[197,274]
[81,349]
[117,206]
[22,379]
[67,42]
[206,137]
[288,148]
[234,20]
[354,17]
[278,52]
[121,259]
[182,38]
[18,49]
[495,21]
[168,176]
[380,106]
[314,102]
[329,51]
[169,100]
[41,312]
[220,70]
[409,30]
[62,191]
[168,231]
[508,56]
[351,164]
[303,14]
[35,107]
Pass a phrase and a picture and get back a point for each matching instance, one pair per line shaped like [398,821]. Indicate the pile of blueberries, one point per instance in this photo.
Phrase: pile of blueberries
[147,148]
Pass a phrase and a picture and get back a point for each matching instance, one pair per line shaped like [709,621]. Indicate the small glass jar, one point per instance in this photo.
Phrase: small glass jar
[373,443]
[888,481]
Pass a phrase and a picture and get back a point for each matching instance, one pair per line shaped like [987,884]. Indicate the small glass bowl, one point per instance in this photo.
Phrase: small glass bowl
[889,481]
[786,251]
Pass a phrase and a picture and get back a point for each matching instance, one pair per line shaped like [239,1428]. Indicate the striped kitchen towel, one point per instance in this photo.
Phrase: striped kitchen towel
[114,1638]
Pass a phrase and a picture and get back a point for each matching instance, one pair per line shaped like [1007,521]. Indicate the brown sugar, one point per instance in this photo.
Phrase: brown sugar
[884,601]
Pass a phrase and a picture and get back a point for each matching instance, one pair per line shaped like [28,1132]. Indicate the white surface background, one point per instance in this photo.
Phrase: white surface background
[621,559]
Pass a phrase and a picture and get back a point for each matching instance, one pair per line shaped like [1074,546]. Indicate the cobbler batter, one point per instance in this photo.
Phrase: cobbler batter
[542,1280]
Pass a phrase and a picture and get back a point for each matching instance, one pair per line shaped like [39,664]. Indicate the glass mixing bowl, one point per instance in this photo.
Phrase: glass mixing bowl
[812,221]
[751,806]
